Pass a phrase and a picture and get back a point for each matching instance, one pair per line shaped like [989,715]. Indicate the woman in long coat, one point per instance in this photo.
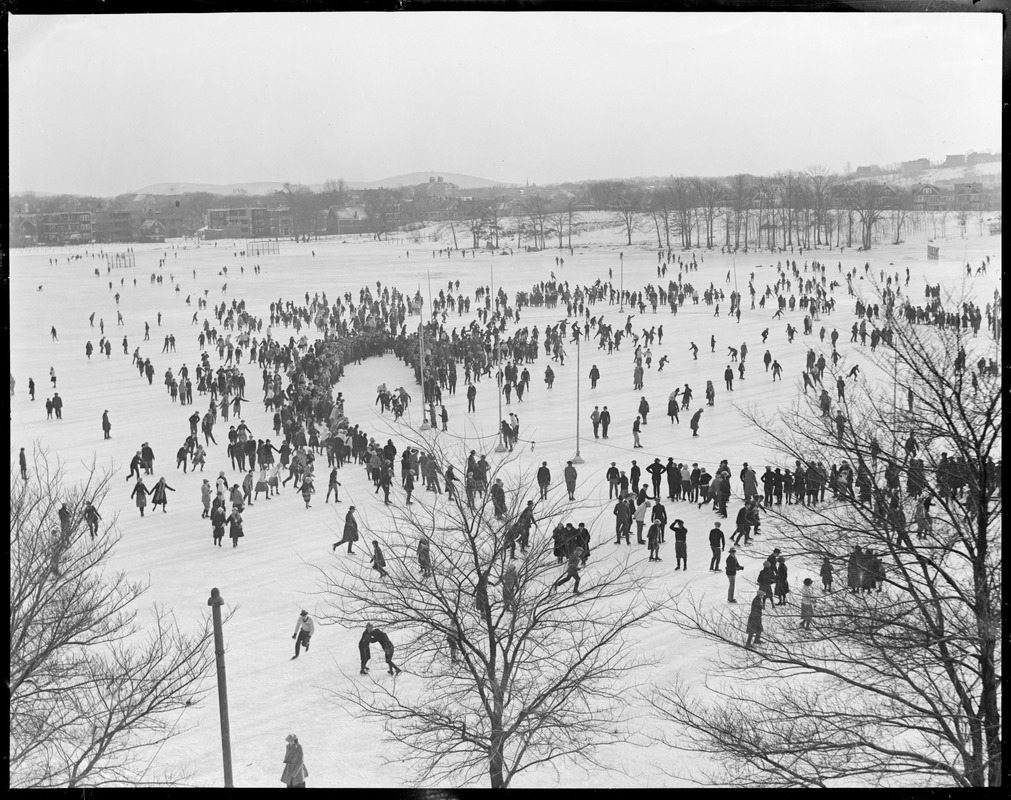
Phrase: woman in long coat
[750,484]
[205,498]
[295,773]
[159,495]
[853,570]
[235,531]
[782,584]
[140,493]
[672,407]
[755,628]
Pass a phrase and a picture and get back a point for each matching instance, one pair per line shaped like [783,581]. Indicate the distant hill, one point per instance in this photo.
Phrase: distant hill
[269,187]
[414,178]
[256,188]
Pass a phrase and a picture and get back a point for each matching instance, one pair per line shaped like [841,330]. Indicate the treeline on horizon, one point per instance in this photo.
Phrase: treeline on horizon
[739,212]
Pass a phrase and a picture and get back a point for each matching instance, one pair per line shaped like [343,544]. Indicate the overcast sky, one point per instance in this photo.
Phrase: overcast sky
[108,104]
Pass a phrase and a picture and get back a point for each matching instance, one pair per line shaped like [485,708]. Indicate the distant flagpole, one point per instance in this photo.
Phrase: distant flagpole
[421,341]
[500,447]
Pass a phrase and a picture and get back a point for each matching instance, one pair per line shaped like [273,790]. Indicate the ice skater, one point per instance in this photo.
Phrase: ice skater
[304,629]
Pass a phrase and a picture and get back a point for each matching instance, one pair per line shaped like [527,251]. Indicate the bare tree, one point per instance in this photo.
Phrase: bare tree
[789,190]
[628,205]
[304,205]
[709,193]
[335,192]
[604,194]
[659,207]
[536,208]
[869,201]
[493,210]
[902,207]
[560,214]
[539,675]
[93,693]
[572,213]
[897,682]
[820,182]
[741,195]
[683,199]
[382,207]
[962,215]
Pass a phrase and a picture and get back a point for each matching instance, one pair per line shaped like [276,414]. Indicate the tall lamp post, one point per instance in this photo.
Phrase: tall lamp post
[500,445]
[421,345]
[578,459]
[215,601]
[621,292]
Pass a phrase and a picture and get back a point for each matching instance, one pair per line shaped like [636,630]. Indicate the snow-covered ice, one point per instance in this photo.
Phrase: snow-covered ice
[270,576]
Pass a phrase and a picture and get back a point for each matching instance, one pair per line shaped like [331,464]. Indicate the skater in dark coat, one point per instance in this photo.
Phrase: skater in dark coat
[106,425]
[732,567]
[134,465]
[854,570]
[672,407]
[92,518]
[653,540]
[571,570]
[378,560]
[680,543]
[717,542]
[766,577]
[754,629]
[782,583]
[425,556]
[218,520]
[350,531]
[694,422]
[159,496]
[365,650]
[377,635]
[235,531]
[139,494]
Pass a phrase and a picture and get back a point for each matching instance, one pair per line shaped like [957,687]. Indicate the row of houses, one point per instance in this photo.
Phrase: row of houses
[263,223]
[247,223]
[958,197]
[86,227]
[915,166]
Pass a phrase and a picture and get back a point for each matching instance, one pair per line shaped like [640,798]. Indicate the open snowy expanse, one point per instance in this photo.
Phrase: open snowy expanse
[271,575]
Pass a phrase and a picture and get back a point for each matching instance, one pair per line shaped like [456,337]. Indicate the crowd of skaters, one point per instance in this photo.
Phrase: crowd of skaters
[352,332]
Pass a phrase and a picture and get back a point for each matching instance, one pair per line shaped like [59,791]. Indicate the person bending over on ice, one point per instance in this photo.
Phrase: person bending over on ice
[365,650]
[377,635]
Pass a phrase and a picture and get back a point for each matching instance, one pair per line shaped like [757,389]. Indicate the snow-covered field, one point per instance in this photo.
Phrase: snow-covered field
[270,576]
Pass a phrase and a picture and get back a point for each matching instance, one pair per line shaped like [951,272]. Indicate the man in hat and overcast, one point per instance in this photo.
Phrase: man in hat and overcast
[350,532]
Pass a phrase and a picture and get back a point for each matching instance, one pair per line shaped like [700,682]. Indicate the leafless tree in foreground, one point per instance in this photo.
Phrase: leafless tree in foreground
[895,687]
[93,693]
[541,676]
